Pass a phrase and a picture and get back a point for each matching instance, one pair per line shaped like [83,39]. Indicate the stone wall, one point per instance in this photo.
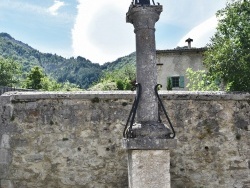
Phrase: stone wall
[65,140]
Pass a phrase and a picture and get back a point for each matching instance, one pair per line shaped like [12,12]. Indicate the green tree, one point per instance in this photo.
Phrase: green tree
[119,79]
[35,78]
[9,72]
[49,84]
[228,56]
[169,84]
[67,86]
[201,81]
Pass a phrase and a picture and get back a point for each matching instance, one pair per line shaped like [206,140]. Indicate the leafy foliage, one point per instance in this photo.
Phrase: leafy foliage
[36,79]
[200,81]
[228,57]
[78,71]
[67,86]
[169,84]
[9,72]
[119,79]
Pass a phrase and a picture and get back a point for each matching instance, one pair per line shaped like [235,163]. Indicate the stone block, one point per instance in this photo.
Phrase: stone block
[4,156]
[148,143]
[3,170]
[19,142]
[149,168]
[31,105]
[9,110]
[34,157]
[5,141]
[6,184]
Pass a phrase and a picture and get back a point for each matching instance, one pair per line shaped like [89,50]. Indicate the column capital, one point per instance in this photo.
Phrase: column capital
[143,17]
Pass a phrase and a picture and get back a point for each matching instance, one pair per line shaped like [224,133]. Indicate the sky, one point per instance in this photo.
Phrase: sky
[97,29]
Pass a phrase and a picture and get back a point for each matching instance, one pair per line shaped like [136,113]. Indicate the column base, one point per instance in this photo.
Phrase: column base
[149,168]
[149,162]
[148,144]
[149,129]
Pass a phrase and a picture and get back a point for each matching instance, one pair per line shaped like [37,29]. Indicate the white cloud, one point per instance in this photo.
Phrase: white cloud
[188,13]
[100,32]
[35,8]
[201,34]
[21,6]
[53,10]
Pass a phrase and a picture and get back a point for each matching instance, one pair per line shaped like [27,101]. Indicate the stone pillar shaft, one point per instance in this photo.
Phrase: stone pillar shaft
[144,18]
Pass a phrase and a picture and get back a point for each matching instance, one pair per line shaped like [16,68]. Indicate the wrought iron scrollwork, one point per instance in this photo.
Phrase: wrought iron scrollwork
[164,110]
[128,131]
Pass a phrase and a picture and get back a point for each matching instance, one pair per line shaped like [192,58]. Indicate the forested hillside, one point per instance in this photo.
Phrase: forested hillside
[78,70]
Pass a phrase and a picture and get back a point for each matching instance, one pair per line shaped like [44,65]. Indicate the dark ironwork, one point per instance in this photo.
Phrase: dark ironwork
[164,110]
[128,131]
[142,2]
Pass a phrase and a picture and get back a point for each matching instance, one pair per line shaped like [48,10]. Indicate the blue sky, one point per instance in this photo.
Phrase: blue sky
[97,29]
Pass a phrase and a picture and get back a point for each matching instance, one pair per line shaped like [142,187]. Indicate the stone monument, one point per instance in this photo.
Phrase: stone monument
[148,140]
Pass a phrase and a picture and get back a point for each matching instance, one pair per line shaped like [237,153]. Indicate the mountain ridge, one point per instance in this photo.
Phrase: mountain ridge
[79,70]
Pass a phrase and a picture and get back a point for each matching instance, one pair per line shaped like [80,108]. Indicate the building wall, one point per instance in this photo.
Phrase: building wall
[74,139]
[175,63]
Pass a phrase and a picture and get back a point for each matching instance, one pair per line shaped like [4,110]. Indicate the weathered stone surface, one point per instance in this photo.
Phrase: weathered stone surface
[4,156]
[144,165]
[144,18]
[149,168]
[6,184]
[149,129]
[149,144]
[66,142]
[5,141]
[51,146]
[4,169]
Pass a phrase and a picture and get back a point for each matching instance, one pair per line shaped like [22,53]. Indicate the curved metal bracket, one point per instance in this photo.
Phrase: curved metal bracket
[128,132]
[164,110]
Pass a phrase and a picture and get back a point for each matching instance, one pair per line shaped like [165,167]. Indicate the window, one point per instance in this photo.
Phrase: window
[177,81]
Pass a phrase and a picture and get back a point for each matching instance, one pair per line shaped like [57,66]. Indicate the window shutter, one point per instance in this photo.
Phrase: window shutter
[181,82]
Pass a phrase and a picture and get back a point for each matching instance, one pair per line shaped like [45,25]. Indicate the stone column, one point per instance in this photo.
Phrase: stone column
[148,146]
[144,18]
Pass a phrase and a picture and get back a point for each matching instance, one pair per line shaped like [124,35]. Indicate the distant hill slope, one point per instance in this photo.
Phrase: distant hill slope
[78,70]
